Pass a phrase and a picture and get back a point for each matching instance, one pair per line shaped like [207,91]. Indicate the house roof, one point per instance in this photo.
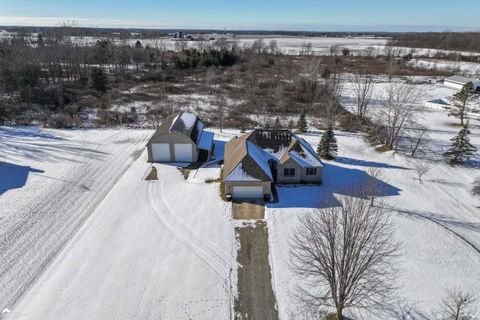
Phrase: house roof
[184,123]
[244,161]
[302,153]
[205,142]
[247,158]
[461,80]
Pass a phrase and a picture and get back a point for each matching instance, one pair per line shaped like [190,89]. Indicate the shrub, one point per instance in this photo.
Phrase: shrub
[476,187]
[61,120]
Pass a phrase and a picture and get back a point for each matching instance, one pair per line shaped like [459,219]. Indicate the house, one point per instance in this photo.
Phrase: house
[457,82]
[181,138]
[257,159]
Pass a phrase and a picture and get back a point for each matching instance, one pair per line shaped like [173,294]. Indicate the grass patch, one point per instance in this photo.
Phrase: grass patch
[382,149]
[152,175]
[184,171]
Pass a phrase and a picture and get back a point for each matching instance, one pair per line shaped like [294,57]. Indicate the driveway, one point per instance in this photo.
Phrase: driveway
[248,210]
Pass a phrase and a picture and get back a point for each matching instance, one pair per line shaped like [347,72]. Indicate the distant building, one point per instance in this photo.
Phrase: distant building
[438,104]
[457,82]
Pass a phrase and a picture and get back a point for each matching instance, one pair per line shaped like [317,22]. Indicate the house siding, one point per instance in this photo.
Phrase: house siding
[171,139]
[317,178]
[289,164]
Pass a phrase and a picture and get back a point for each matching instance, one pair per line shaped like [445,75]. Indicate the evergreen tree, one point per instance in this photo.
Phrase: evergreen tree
[302,125]
[268,125]
[97,79]
[277,124]
[461,101]
[461,148]
[291,124]
[327,147]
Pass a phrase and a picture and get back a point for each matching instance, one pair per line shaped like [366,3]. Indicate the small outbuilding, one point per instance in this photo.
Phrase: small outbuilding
[457,82]
[181,138]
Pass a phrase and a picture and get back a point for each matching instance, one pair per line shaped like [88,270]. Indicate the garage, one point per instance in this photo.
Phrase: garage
[183,152]
[161,152]
[247,192]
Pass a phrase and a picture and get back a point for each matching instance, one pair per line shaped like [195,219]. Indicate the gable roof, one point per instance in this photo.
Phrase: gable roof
[302,153]
[184,123]
[248,157]
[244,161]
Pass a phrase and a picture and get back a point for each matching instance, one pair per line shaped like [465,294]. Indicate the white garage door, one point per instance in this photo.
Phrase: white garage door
[183,152]
[160,152]
[247,192]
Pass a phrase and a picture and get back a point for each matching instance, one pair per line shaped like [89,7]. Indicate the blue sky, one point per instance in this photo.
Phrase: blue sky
[249,14]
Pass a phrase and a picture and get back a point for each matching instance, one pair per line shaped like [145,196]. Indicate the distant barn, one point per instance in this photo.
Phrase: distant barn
[457,82]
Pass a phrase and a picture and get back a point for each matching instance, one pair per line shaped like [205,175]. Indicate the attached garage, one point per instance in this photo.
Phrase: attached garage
[247,192]
[161,152]
[183,152]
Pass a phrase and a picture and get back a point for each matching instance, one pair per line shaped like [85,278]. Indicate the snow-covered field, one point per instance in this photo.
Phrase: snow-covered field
[166,250]
[50,183]
[461,67]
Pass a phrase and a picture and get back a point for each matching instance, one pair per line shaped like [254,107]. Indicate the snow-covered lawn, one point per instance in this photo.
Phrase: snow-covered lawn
[50,183]
[161,249]
[166,249]
[437,222]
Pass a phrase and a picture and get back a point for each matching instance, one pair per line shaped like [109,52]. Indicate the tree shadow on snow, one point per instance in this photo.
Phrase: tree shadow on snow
[26,132]
[363,163]
[13,176]
[336,180]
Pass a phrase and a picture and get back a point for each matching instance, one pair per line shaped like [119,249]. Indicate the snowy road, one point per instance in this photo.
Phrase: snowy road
[75,171]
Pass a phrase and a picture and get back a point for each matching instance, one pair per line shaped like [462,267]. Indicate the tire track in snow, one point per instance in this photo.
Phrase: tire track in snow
[216,251]
[220,265]
[423,216]
[31,243]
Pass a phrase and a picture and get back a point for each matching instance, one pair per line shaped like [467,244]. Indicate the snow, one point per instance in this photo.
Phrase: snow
[188,120]
[205,141]
[161,249]
[436,222]
[238,174]
[306,159]
[88,238]
[51,181]
[261,158]
[468,68]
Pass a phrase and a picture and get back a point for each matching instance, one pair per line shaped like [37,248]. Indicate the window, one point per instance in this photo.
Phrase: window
[289,172]
[311,171]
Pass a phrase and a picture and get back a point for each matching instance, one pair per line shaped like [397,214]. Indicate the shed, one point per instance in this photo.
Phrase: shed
[457,82]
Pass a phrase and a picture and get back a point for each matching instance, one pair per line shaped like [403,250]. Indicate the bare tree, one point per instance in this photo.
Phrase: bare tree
[421,168]
[334,88]
[456,305]
[345,254]
[363,89]
[221,104]
[418,140]
[306,49]
[374,175]
[400,109]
